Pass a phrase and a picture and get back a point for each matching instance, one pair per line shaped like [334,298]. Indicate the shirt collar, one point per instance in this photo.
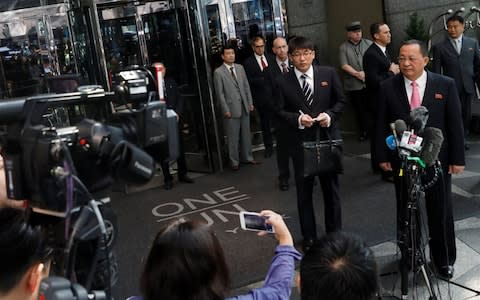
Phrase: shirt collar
[309,72]
[279,62]
[457,39]
[421,81]
[383,48]
[259,56]
[229,66]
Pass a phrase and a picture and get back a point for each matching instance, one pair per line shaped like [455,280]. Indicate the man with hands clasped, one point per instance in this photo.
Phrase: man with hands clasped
[310,99]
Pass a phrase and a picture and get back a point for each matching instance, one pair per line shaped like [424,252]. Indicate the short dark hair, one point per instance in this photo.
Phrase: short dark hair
[227,46]
[375,28]
[300,42]
[185,252]
[21,246]
[256,38]
[456,18]
[339,266]
[423,47]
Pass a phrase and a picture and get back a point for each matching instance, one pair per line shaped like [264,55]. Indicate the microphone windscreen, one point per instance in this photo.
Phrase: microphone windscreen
[400,127]
[417,126]
[391,142]
[432,144]
[421,114]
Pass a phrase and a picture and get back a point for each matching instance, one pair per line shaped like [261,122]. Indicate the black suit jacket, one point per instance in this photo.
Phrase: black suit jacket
[376,67]
[464,68]
[173,98]
[328,97]
[441,100]
[260,81]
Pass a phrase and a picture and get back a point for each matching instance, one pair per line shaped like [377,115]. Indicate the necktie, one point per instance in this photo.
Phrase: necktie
[307,90]
[233,74]
[264,64]
[415,99]
[284,67]
[458,46]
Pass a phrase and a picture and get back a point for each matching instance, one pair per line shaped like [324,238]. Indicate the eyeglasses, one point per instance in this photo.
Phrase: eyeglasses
[259,46]
[304,53]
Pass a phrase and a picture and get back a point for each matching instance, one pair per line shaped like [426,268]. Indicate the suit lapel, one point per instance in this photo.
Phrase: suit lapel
[429,94]
[402,92]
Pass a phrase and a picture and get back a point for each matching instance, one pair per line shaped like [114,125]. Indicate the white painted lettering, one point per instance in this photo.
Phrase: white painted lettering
[189,201]
[157,210]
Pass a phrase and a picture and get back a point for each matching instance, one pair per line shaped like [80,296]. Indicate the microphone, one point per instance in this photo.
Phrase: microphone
[399,127]
[391,142]
[432,143]
[419,117]
[474,9]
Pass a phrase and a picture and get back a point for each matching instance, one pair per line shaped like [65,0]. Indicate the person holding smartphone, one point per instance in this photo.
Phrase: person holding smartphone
[186,261]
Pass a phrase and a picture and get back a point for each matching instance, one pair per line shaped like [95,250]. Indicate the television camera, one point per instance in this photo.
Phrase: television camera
[62,152]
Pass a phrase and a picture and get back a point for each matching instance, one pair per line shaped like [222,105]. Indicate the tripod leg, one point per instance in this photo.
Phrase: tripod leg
[428,282]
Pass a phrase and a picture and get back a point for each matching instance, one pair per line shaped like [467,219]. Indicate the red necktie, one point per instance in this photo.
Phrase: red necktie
[415,99]
[264,64]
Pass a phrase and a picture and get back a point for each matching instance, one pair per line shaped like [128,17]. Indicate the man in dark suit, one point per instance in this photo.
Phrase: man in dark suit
[281,66]
[159,151]
[377,67]
[458,57]
[310,99]
[438,94]
[256,67]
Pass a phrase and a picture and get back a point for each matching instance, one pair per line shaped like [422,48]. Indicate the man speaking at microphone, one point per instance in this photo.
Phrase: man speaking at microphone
[412,87]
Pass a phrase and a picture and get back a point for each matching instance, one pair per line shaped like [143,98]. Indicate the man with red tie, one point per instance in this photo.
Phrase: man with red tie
[400,94]
[259,78]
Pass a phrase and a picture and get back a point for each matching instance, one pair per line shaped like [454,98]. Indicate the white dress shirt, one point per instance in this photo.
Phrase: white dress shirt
[258,58]
[421,84]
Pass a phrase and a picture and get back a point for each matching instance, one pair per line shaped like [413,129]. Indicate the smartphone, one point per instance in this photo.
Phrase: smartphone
[254,221]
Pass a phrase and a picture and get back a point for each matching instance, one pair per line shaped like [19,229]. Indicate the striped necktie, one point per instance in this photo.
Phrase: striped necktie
[307,89]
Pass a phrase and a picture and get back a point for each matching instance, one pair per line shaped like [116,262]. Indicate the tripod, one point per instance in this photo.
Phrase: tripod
[410,239]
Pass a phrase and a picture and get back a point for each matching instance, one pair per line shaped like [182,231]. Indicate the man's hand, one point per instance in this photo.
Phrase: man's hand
[323,119]
[227,115]
[386,166]
[306,120]
[360,75]
[394,68]
[251,108]
[454,169]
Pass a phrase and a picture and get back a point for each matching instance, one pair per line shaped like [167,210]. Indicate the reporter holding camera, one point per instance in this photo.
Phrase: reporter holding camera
[24,256]
[186,261]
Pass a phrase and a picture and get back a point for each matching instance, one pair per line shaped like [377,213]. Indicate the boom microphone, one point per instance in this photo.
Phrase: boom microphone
[419,117]
[432,143]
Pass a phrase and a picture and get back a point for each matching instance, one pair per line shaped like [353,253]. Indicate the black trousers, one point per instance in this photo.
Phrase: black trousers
[331,198]
[438,204]
[359,102]
[466,102]
[159,152]
[265,113]
[283,153]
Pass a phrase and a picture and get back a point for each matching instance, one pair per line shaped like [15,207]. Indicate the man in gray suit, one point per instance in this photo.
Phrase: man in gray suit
[233,94]
[458,57]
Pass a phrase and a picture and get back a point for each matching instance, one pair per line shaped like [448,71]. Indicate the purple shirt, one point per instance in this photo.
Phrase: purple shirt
[279,279]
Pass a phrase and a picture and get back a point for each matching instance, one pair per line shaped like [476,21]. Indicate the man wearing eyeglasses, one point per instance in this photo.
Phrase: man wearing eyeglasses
[397,97]
[258,75]
[310,96]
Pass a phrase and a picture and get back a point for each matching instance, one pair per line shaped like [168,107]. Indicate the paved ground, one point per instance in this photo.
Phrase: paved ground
[368,210]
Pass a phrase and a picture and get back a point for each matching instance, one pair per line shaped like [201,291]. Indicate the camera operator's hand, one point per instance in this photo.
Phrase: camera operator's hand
[282,233]
[4,201]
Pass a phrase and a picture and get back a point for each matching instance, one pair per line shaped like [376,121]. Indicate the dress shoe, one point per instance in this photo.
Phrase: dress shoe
[283,184]
[307,244]
[185,178]
[445,272]
[268,152]
[168,185]
[235,167]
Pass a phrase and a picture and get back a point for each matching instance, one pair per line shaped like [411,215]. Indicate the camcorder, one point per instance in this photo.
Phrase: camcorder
[62,153]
